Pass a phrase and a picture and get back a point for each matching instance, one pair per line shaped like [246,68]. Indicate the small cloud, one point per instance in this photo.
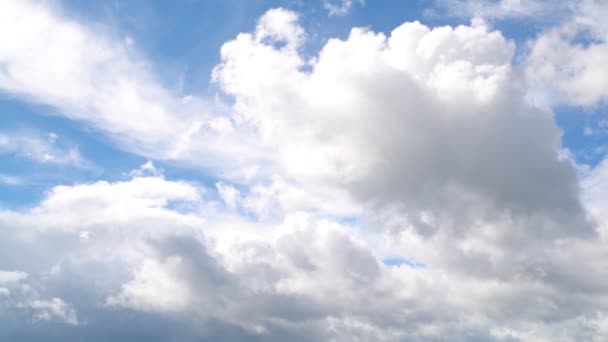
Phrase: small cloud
[187,99]
[146,170]
[46,149]
[52,137]
[85,235]
[229,194]
[10,180]
[11,277]
[339,7]
[129,41]
[53,309]
[501,9]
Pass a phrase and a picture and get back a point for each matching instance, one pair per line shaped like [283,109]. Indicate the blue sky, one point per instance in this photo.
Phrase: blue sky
[303,170]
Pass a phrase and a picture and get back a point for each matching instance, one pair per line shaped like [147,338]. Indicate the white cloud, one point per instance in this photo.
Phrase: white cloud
[529,10]
[57,61]
[229,194]
[562,69]
[339,7]
[11,277]
[154,288]
[305,275]
[278,26]
[53,309]
[146,169]
[406,119]
[41,149]
[280,198]
[91,76]
[10,180]
[70,207]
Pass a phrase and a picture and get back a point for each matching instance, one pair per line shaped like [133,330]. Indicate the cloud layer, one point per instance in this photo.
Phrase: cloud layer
[408,186]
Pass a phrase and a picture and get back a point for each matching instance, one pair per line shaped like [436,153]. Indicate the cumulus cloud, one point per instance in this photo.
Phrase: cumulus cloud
[429,118]
[305,276]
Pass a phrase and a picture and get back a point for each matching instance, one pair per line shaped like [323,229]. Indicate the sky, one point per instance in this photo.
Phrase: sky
[323,170]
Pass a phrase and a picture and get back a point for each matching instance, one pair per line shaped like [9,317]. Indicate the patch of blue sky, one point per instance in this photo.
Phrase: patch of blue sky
[397,261]
[183,39]
[585,132]
[100,159]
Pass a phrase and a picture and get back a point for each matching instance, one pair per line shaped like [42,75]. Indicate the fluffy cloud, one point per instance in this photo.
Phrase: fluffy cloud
[565,63]
[305,277]
[430,119]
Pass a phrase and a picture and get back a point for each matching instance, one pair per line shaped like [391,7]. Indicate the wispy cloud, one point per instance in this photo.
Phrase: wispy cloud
[42,148]
[10,180]
[340,7]
[502,9]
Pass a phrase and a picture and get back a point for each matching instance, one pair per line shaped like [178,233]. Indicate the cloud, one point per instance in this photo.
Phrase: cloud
[229,194]
[564,64]
[340,7]
[306,276]
[537,10]
[146,169]
[81,205]
[154,288]
[46,150]
[431,119]
[54,308]
[94,77]
[10,180]
[86,76]
[11,277]
[262,284]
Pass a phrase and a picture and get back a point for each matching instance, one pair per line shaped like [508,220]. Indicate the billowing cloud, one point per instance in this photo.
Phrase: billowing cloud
[305,277]
[430,119]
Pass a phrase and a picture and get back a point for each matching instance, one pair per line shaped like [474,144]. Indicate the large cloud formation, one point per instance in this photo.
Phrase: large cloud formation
[419,146]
